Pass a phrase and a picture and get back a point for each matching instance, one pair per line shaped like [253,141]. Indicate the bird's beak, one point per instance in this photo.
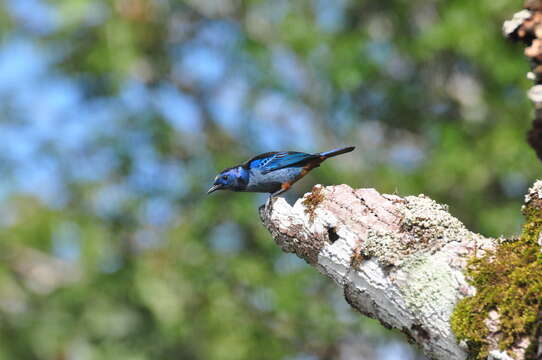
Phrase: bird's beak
[214,188]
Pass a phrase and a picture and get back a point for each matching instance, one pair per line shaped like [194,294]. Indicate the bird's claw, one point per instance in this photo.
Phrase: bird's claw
[270,200]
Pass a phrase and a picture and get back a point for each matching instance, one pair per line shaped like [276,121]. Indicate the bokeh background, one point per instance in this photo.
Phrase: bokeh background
[115,115]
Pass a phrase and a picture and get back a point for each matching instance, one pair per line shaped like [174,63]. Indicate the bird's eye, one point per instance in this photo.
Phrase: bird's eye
[225,177]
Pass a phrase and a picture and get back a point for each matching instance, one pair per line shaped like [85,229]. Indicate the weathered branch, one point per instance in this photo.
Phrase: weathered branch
[400,260]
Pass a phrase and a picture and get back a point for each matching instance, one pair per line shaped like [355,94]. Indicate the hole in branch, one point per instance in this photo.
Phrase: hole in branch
[332,235]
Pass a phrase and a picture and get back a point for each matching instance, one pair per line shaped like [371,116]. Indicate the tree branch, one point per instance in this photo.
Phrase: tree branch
[399,260]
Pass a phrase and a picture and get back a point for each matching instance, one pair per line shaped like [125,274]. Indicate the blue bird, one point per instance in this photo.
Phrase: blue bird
[272,172]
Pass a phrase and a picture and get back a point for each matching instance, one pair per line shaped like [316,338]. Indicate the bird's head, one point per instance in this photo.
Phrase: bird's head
[235,179]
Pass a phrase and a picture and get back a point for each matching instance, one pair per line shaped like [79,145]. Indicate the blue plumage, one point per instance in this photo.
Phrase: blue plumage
[279,160]
[272,172]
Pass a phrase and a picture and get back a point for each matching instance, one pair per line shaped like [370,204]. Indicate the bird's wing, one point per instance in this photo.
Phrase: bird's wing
[278,160]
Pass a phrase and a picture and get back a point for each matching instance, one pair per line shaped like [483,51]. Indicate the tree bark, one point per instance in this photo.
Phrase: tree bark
[399,260]
[526,27]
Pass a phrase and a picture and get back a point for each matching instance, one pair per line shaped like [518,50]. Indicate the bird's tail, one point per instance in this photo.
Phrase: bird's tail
[335,152]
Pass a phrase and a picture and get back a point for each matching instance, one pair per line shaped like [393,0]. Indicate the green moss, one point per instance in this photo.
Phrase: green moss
[508,280]
[312,200]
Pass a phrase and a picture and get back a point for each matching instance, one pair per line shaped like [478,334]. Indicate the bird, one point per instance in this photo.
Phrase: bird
[271,172]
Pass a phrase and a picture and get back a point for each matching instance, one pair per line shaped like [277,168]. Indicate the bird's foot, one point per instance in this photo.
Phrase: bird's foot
[273,196]
[269,201]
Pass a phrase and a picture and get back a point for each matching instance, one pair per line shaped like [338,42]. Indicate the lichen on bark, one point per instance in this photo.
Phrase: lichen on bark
[508,282]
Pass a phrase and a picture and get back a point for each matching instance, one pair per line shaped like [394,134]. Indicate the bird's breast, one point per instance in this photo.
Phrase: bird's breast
[271,181]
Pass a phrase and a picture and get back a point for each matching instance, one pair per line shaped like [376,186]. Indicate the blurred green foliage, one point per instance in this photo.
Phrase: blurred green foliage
[116,115]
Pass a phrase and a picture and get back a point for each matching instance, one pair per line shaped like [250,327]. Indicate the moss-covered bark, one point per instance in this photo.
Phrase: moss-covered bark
[508,281]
